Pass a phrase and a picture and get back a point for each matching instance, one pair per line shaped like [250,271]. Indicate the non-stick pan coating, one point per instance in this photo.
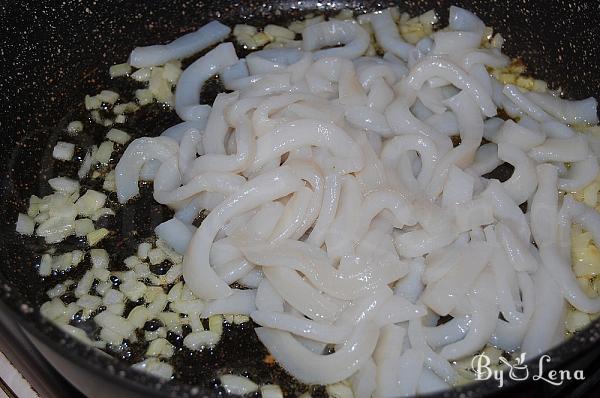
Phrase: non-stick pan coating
[55,52]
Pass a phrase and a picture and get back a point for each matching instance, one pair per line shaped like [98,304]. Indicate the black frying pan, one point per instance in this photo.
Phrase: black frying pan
[55,52]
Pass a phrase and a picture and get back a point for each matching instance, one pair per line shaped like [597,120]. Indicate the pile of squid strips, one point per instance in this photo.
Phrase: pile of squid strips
[336,196]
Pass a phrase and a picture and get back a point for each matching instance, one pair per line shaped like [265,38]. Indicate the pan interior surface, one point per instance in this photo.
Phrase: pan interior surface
[55,53]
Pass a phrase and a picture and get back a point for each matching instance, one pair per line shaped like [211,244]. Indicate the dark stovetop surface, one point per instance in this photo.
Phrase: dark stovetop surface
[48,383]
[42,377]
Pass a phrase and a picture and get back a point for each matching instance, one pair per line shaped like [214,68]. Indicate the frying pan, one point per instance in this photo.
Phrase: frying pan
[55,52]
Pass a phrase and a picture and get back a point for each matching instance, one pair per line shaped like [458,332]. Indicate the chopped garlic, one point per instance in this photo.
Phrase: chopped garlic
[87,163]
[261,39]
[63,151]
[247,42]
[243,29]
[59,289]
[34,206]
[159,86]
[118,136]
[497,41]
[120,119]
[107,96]
[279,31]
[143,250]
[576,320]
[64,185]
[199,340]
[188,307]
[25,224]
[62,262]
[53,309]
[128,107]
[238,319]
[101,274]
[133,289]
[77,257]
[56,229]
[160,348]
[89,302]
[171,72]
[74,127]
[45,267]
[63,210]
[131,262]
[119,70]
[297,26]
[215,324]
[143,271]
[144,96]
[100,258]
[158,304]
[113,296]
[238,385]
[92,102]
[339,390]
[85,284]
[142,75]
[155,367]
[104,211]
[105,151]
[156,256]
[83,226]
[345,14]
[175,292]
[139,315]
[96,236]
[116,324]
[104,287]
[271,391]
[109,183]
[90,202]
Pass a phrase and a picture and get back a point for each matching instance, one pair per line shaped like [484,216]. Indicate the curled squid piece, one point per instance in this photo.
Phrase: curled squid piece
[547,319]
[486,159]
[197,271]
[273,60]
[402,121]
[455,42]
[443,295]
[580,174]
[187,94]
[519,136]
[402,144]
[326,34]
[523,181]
[347,155]
[182,47]
[216,124]
[138,152]
[331,334]
[312,368]
[506,210]
[573,149]
[437,66]
[234,163]
[483,320]
[570,112]
[461,19]
[471,131]
[387,35]
[524,104]
[226,183]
